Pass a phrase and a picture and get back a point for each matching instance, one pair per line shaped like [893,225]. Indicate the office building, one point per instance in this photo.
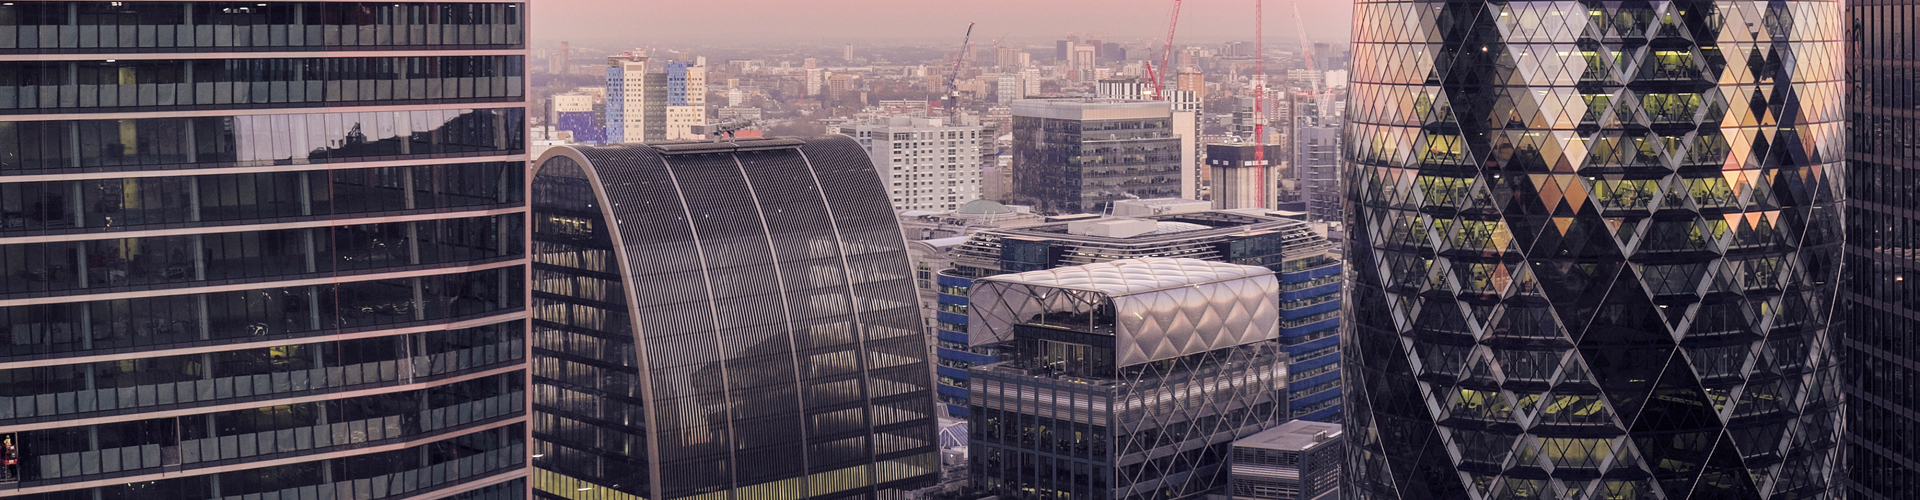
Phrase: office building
[1882,318]
[1316,154]
[717,320]
[1589,275]
[1308,266]
[1078,155]
[927,163]
[1299,460]
[1123,379]
[237,263]
[1242,181]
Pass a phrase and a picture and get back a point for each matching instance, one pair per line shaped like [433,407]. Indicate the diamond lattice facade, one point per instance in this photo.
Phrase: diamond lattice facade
[1122,379]
[1595,248]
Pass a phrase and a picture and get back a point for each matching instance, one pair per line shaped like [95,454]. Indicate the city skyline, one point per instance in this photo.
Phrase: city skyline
[768,249]
[616,24]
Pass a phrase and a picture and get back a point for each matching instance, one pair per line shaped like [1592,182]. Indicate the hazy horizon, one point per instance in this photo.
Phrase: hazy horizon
[1029,22]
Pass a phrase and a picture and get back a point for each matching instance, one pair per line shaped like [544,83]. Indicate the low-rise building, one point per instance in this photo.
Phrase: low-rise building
[1299,460]
[1123,379]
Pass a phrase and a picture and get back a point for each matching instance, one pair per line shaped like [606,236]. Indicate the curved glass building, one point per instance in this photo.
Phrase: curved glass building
[725,320]
[1595,248]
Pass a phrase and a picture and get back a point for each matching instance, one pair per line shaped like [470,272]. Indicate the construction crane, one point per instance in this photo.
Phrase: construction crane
[953,84]
[1300,28]
[1166,56]
[1259,104]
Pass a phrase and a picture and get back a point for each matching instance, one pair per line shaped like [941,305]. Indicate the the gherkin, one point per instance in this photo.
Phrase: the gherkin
[1595,248]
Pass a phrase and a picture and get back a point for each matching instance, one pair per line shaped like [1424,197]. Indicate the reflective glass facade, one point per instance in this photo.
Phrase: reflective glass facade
[216,283]
[719,321]
[1882,307]
[1596,247]
[1073,155]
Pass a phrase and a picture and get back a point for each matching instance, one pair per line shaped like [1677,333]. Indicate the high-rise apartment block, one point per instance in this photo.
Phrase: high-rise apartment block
[686,100]
[1074,155]
[927,163]
[1581,274]
[1307,264]
[626,99]
[725,320]
[653,101]
[1192,81]
[1123,379]
[239,259]
[1881,304]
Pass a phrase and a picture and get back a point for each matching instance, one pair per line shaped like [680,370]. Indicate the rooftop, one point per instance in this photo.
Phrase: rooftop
[1098,108]
[1296,435]
[1134,276]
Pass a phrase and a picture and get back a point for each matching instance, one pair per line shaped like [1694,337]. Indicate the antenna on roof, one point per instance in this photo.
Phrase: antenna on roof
[723,129]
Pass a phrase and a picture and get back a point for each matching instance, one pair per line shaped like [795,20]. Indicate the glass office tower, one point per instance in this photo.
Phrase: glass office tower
[725,320]
[1595,248]
[1882,341]
[1080,155]
[262,250]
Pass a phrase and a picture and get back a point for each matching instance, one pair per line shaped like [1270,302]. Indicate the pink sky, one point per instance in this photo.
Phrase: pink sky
[851,21]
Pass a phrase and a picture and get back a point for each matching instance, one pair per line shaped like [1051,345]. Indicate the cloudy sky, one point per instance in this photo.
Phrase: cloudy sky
[674,22]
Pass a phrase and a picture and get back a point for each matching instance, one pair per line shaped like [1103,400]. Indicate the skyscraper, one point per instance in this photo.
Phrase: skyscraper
[1882,341]
[725,319]
[1596,249]
[241,259]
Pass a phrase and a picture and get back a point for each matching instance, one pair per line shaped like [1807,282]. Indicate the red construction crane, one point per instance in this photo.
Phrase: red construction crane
[953,86]
[1166,56]
[1259,104]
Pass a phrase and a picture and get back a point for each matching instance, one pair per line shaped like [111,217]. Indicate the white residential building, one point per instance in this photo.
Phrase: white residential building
[929,164]
[626,99]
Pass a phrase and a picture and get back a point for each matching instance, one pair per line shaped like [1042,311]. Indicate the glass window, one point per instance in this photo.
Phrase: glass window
[256,140]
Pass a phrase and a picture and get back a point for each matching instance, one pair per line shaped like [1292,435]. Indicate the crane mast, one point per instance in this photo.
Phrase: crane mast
[1166,56]
[1259,103]
[953,87]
